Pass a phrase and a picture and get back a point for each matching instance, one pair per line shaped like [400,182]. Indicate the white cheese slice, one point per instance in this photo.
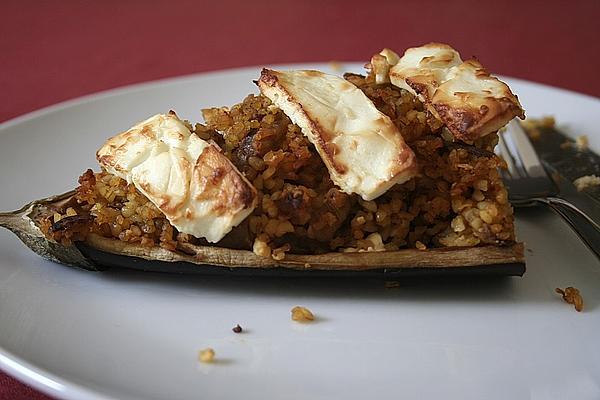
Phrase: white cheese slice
[361,147]
[198,189]
[463,95]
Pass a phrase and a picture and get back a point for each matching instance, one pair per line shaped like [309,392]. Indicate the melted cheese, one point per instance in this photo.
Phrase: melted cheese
[197,188]
[463,95]
[361,147]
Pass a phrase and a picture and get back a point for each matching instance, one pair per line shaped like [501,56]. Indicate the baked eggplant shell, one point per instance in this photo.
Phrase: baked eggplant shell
[98,253]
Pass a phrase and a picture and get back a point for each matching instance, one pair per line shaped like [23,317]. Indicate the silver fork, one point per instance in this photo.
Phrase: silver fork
[529,184]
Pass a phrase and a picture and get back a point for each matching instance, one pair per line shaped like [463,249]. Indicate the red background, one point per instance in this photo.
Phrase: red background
[52,51]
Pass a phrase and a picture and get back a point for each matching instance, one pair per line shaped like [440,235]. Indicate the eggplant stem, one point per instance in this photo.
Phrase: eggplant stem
[22,223]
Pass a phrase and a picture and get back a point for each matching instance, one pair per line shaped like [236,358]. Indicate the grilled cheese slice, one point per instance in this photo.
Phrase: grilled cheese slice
[463,95]
[361,147]
[198,189]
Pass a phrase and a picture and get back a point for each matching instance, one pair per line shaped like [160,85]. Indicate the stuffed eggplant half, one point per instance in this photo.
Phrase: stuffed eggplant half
[389,172]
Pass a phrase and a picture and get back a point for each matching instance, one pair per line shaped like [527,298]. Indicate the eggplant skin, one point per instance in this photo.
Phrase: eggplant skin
[98,253]
[111,260]
[22,223]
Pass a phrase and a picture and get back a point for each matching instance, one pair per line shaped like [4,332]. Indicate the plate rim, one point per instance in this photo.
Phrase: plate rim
[44,380]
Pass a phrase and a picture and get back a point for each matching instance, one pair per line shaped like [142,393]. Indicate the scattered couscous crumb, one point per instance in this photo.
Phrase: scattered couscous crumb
[572,296]
[532,126]
[420,245]
[586,181]
[307,266]
[302,314]
[546,121]
[582,142]
[237,329]
[206,355]
[391,284]
[566,145]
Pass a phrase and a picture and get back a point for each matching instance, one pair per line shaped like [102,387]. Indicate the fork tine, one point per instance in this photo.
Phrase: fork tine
[507,156]
[522,150]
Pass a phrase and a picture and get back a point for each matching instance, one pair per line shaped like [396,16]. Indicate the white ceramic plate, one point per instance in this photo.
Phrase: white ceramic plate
[128,335]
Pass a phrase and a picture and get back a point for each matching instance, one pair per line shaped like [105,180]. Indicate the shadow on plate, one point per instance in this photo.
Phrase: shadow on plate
[430,289]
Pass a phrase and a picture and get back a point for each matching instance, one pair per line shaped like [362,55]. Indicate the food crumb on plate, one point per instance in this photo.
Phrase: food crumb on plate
[206,355]
[582,142]
[302,314]
[237,329]
[566,145]
[532,126]
[585,182]
[572,296]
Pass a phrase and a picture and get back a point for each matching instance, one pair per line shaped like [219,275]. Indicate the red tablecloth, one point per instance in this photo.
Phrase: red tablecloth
[53,51]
